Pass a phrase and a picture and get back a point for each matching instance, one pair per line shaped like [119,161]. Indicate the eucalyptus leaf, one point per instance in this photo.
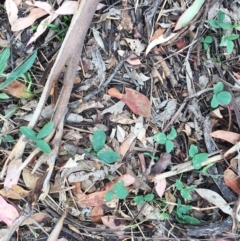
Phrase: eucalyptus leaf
[23,68]
[108,156]
[43,146]
[98,140]
[4,96]
[46,130]
[28,132]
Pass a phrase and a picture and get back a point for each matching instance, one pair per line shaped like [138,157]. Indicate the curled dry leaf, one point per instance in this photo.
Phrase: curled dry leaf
[8,213]
[228,136]
[133,59]
[137,102]
[215,199]
[162,164]
[159,40]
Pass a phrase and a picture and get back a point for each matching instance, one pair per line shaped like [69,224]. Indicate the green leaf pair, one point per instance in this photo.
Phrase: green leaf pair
[219,96]
[206,42]
[182,214]
[98,141]
[119,190]
[166,140]
[197,158]
[38,138]
[185,192]
[140,200]
[227,41]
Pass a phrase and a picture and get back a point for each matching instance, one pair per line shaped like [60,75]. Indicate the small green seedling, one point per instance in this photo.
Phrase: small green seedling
[119,190]
[38,138]
[197,158]
[227,41]
[140,200]
[219,22]
[182,214]
[98,141]
[166,140]
[206,42]
[185,192]
[220,97]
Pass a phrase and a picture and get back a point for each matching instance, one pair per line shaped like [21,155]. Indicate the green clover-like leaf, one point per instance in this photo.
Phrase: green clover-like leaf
[149,197]
[122,193]
[108,156]
[28,132]
[139,200]
[218,88]
[233,37]
[193,150]
[186,194]
[226,25]
[230,46]
[220,16]
[160,138]
[208,39]
[169,146]
[43,146]
[224,98]
[172,135]
[214,101]
[214,23]
[198,159]
[98,140]
[179,185]
[46,130]
[109,196]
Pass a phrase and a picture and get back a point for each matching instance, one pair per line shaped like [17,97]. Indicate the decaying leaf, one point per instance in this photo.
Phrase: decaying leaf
[162,164]
[18,89]
[15,192]
[137,102]
[160,186]
[228,136]
[133,59]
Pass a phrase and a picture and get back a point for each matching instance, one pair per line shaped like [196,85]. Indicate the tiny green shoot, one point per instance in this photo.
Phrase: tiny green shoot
[220,97]
[185,192]
[37,138]
[166,140]
[206,42]
[119,190]
[141,199]
[197,158]
[98,142]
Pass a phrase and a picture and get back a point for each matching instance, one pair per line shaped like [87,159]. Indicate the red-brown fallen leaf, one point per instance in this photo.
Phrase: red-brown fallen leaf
[162,164]
[137,102]
[231,137]
[232,180]
[18,89]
